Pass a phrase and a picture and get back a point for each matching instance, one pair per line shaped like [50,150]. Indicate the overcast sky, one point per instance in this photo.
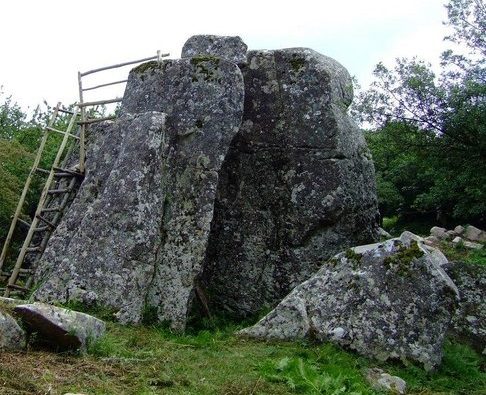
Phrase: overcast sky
[45,43]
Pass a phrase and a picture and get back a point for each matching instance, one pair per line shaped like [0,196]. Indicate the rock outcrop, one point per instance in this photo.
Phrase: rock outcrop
[236,180]
[468,237]
[390,300]
[297,185]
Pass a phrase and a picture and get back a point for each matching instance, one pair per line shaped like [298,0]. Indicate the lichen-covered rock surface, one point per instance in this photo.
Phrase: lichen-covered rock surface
[12,336]
[231,48]
[104,251]
[63,328]
[136,235]
[203,100]
[389,300]
[297,185]
[469,321]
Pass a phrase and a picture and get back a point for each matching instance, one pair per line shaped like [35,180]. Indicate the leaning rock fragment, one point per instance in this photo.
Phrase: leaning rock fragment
[297,185]
[12,336]
[104,251]
[390,300]
[63,328]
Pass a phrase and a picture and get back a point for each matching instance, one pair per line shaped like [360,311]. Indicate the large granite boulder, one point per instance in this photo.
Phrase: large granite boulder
[63,328]
[297,185]
[231,48]
[469,321]
[136,235]
[390,300]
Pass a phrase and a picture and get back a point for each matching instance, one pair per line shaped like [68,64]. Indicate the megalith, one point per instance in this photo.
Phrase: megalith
[231,173]
[296,187]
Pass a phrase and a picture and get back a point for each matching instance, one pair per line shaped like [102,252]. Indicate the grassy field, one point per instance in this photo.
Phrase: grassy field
[151,360]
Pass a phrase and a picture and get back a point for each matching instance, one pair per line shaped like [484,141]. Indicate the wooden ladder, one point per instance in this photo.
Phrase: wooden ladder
[46,216]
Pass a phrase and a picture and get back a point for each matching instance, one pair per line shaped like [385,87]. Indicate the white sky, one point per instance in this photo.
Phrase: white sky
[45,43]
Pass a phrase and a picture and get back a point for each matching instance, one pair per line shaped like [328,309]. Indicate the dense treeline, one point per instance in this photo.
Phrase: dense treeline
[428,135]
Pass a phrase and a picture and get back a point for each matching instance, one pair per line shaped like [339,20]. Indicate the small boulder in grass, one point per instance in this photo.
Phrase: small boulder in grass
[382,381]
[475,234]
[63,328]
[440,233]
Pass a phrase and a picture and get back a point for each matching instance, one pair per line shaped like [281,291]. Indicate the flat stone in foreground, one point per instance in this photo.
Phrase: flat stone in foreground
[66,329]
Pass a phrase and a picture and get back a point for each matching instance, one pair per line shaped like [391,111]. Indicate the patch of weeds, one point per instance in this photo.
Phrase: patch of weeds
[102,312]
[304,376]
[389,224]
[150,315]
[401,261]
[153,64]
[461,253]
[297,63]
[353,257]
[461,372]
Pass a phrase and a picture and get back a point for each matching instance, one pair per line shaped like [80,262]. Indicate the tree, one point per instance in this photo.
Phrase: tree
[448,111]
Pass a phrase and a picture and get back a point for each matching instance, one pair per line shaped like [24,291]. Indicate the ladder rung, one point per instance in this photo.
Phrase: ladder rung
[99,102]
[74,173]
[65,111]
[42,228]
[49,223]
[50,209]
[33,249]
[95,120]
[42,170]
[18,287]
[58,191]
[60,175]
[61,132]
[25,223]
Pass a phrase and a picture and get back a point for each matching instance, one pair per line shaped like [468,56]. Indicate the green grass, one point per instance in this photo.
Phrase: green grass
[152,360]
[461,253]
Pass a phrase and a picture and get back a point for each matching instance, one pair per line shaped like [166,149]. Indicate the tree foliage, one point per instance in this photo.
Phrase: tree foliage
[429,131]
